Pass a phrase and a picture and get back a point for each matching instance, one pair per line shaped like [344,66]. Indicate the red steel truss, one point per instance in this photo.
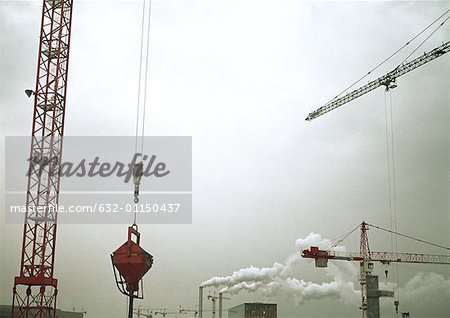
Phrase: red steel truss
[35,289]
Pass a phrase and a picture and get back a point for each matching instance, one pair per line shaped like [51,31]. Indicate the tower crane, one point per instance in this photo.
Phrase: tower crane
[149,312]
[214,298]
[388,80]
[195,311]
[35,289]
[366,257]
[146,312]
[139,314]
[165,312]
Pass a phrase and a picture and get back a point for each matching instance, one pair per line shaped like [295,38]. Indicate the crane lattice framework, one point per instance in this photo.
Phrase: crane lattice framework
[366,257]
[388,80]
[149,312]
[35,289]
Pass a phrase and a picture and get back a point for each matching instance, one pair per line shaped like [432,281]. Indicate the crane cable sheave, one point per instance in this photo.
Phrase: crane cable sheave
[388,80]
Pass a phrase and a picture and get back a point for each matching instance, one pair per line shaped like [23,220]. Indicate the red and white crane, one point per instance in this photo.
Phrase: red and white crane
[366,257]
[35,289]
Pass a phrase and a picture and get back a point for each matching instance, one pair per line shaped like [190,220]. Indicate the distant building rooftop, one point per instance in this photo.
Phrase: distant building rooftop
[253,310]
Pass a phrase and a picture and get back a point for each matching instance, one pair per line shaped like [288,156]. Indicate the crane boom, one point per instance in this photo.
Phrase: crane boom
[384,257]
[387,80]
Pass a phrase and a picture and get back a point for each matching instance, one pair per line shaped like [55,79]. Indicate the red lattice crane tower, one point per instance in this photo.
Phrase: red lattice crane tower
[35,289]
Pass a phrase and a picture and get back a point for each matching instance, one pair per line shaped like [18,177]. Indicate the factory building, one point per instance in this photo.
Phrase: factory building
[253,310]
[5,312]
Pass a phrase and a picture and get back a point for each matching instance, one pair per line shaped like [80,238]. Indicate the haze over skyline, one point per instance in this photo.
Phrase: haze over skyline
[240,77]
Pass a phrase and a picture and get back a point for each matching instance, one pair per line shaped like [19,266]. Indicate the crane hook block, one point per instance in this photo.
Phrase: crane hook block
[396,303]
[138,172]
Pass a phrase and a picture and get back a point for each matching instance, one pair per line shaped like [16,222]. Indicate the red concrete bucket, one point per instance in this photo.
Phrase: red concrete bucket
[132,262]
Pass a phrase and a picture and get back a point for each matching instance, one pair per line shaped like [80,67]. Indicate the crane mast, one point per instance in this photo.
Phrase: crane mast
[35,289]
[387,80]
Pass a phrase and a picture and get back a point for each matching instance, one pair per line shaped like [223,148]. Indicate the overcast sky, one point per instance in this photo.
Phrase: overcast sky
[240,77]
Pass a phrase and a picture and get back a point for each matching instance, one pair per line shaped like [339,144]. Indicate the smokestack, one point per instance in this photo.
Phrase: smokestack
[200,302]
[220,305]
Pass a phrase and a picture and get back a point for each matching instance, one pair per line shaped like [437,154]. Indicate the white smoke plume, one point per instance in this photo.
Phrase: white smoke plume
[427,285]
[426,294]
[278,279]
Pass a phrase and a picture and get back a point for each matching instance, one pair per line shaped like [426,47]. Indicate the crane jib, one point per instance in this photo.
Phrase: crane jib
[385,80]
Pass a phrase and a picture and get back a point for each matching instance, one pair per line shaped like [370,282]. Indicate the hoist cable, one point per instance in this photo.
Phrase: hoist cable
[141,103]
[342,238]
[390,151]
[146,73]
[388,160]
[394,193]
[394,183]
[412,238]
[139,79]
[440,25]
